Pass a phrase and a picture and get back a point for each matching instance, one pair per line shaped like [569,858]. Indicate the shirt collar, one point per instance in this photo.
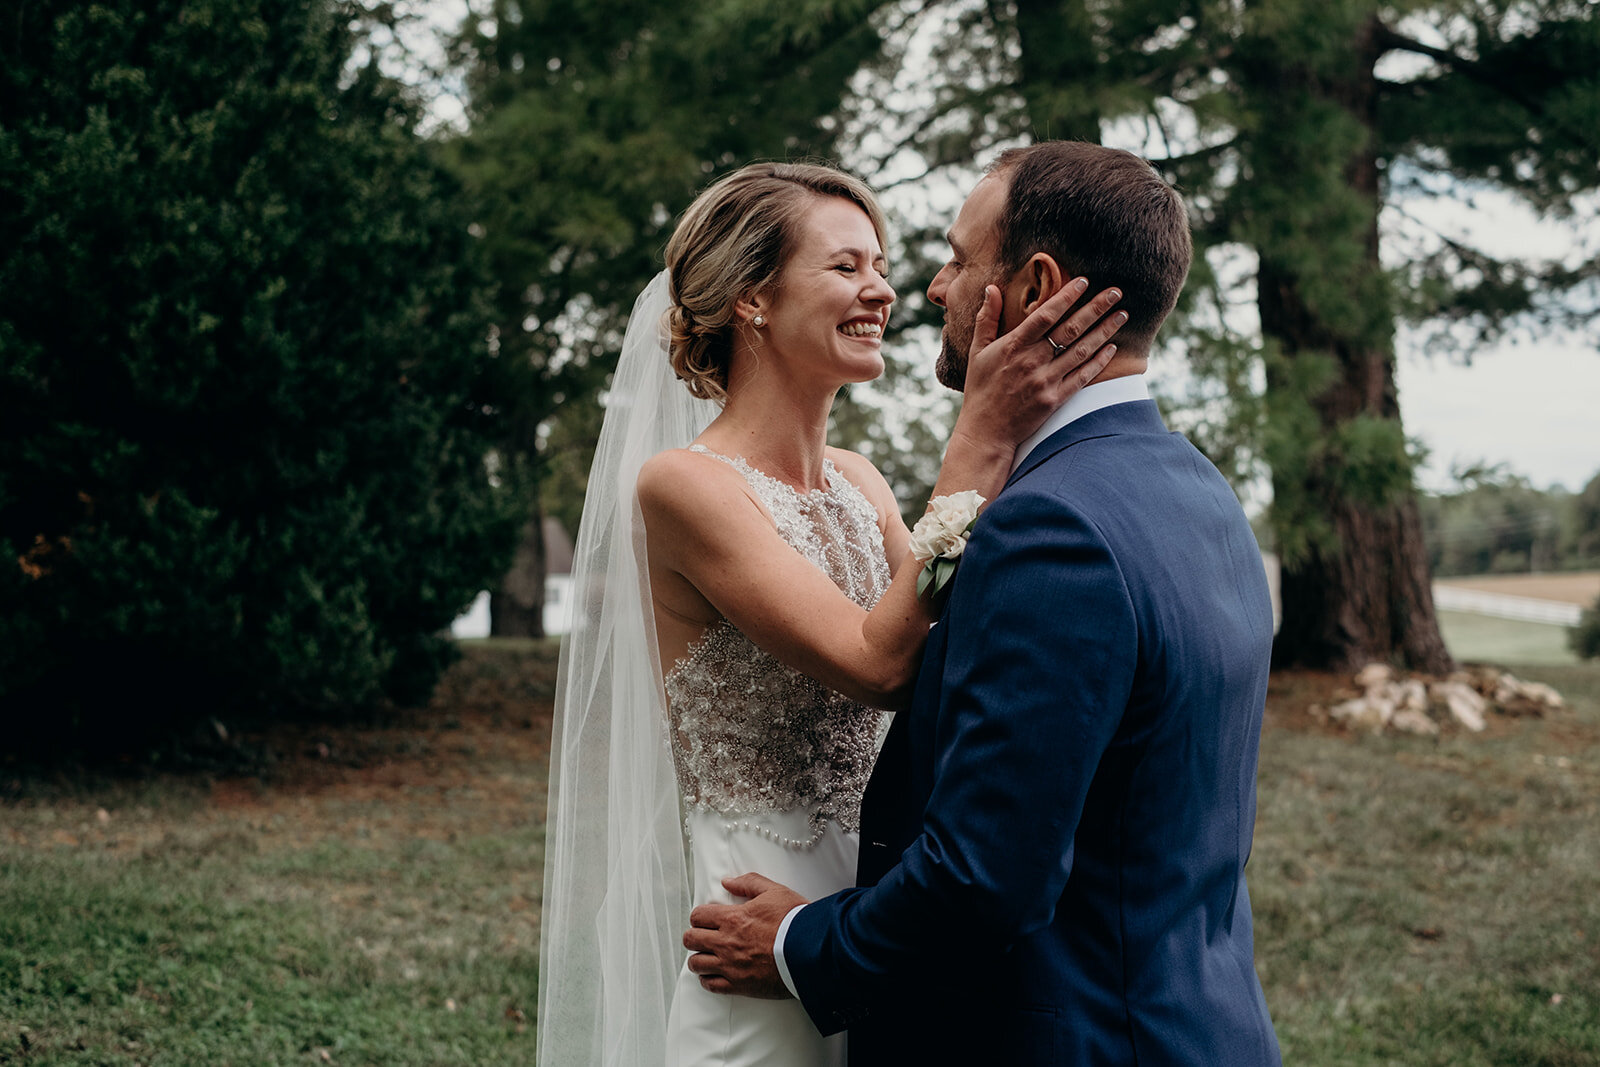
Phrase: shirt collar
[1090,398]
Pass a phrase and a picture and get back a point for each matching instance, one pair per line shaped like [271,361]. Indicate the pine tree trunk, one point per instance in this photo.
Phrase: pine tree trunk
[1357,587]
[1369,600]
[516,605]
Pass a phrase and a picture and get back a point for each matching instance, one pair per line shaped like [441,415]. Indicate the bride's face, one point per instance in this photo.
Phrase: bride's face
[827,313]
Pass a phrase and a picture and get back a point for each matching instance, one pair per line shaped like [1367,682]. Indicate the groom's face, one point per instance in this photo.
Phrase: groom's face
[958,287]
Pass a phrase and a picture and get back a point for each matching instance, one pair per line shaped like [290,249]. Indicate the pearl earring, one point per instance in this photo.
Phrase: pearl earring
[759,321]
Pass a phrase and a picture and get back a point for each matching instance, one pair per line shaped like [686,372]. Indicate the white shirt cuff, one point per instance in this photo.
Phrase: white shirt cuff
[777,950]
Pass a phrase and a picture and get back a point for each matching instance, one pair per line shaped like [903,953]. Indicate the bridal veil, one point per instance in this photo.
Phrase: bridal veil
[616,885]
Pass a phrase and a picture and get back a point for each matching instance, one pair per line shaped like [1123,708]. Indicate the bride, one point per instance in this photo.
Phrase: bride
[773,580]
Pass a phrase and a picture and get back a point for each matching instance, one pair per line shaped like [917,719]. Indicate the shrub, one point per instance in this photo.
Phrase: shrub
[1584,638]
[242,341]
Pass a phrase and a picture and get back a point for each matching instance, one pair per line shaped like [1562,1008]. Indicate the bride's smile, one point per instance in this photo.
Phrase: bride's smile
[824,320]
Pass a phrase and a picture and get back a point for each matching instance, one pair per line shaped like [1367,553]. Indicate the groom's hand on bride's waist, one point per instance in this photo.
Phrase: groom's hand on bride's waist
[732,943]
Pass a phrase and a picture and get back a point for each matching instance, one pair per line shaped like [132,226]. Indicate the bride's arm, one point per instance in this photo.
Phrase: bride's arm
[703,523]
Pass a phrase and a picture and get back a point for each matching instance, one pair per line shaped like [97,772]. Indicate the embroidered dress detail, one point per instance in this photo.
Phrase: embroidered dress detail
[752,736]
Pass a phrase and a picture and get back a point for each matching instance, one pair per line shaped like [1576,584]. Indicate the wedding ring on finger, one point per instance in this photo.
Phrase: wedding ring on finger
[1059,348]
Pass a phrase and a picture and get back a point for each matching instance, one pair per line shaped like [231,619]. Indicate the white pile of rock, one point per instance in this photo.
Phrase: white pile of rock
[1419,704]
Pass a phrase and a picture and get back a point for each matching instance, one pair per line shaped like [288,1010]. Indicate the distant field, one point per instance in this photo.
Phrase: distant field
[1483,639]
[1577,588]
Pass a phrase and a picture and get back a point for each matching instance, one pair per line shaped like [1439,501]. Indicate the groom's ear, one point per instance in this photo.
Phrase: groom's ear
[1039,279]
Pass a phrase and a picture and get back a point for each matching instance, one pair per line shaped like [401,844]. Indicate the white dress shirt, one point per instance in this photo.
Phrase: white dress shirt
[1090,398]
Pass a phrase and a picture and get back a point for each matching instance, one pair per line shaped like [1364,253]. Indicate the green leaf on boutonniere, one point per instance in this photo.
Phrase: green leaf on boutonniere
[935,575]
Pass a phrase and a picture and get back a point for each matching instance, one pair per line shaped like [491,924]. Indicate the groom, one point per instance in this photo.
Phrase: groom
[1054,839]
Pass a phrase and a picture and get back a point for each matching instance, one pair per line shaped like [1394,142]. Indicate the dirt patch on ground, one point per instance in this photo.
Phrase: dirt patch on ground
[1579,588]
[1293,696]
[474,759]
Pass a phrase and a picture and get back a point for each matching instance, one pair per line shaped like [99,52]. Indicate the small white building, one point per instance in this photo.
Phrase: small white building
[557,578]
[557,589]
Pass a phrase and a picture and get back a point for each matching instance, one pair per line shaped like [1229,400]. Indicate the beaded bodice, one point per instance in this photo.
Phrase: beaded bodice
[750,735]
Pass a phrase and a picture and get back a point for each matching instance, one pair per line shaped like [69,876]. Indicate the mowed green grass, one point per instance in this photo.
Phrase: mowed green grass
[1482,639]
[1428,902]
[1435,901]
[373,898]
[205,950]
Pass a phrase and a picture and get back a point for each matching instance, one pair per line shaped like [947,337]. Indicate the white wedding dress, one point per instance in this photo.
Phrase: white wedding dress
[771,765]
[761,767]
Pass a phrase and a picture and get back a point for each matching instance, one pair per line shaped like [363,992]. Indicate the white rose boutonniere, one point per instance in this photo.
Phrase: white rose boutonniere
[940,536]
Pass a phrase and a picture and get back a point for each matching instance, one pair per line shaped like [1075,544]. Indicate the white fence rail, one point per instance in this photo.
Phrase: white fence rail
[1501,606]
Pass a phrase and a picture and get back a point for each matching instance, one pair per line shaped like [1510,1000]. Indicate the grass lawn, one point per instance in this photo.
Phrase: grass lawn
[1482,639]
[1433,901]
[372,896]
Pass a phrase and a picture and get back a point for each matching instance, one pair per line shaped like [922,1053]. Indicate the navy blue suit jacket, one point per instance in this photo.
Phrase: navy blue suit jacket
[1055,836]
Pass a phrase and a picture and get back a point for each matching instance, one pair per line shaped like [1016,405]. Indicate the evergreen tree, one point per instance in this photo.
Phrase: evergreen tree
[242,338]
[1323,142]
[592,125]
[1273,118]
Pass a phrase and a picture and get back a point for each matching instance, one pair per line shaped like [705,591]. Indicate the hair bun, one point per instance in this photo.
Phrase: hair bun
[693,356]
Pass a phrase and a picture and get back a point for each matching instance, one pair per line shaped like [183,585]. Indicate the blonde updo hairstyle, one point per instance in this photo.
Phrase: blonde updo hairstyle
[733,242]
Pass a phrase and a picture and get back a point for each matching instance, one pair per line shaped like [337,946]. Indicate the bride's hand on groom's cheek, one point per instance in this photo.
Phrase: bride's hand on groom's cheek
[1016,380]
[732,943]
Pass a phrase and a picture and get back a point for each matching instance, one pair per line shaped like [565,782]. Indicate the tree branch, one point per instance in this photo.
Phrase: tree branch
[970,100]
[1199,155]
[1393,40]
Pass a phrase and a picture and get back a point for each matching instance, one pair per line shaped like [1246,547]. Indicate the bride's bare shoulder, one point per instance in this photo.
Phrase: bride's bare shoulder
[679,484]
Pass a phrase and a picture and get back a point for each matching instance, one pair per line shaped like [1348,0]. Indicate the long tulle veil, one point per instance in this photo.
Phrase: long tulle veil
[616,885]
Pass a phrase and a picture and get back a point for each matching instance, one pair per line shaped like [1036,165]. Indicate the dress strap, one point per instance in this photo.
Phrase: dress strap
[766,483]
[735,462]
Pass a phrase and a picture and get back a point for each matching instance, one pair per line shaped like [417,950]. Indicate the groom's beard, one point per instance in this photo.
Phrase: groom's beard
[956,341]
[951,366]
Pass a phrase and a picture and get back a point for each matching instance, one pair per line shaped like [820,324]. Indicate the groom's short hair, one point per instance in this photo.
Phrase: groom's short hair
[1102,213]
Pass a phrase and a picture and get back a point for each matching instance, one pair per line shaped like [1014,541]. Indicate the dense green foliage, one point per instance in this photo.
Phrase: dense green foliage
[242,338]
[1499,524]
